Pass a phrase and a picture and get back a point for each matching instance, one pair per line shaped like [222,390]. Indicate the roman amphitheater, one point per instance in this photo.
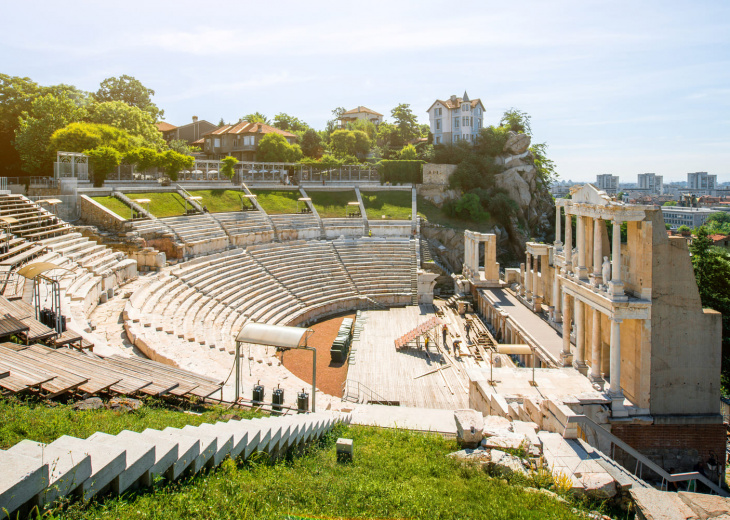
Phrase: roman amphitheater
[595,349]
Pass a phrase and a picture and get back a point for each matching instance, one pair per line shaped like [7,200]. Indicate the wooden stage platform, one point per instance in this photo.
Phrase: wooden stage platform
[403,375]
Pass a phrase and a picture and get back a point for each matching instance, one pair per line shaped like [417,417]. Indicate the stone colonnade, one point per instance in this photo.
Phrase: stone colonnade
[488,274]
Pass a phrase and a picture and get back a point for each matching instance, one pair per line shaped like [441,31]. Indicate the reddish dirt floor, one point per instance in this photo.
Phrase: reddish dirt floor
[330,375]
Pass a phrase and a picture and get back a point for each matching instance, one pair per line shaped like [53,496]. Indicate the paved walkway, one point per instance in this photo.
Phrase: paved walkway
[544,334]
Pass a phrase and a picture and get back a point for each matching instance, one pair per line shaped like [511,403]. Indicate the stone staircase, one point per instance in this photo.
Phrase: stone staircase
[414,272]
[36,474]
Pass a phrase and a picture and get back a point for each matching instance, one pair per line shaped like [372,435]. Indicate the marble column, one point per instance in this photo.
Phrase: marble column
[568,249]
[558,243]
[596,346]
[522,279]
[528,277]
[580,270]
[557,298]
[580,338]
[615,356]
[536,292]
[597,250]
[616,286]
[566,355]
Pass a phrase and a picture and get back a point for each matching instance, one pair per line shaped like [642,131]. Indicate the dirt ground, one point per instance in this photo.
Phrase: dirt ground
[330,375]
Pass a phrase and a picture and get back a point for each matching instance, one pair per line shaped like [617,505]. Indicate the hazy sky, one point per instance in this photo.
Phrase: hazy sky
[620,87]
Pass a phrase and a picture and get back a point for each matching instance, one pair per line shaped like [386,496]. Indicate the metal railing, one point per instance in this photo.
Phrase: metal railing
[361,391]
[642,460]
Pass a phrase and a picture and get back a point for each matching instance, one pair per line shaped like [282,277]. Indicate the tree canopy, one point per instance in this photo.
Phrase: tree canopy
[130,91]
[256,117]
[406,122]
[137,122]
[517,121]
[103,160]
[311,144]
[289,123]
[349,142]
[77,137]
[227,167]
[275,148]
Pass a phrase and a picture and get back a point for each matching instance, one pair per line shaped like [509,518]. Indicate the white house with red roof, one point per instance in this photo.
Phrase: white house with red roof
[456,119]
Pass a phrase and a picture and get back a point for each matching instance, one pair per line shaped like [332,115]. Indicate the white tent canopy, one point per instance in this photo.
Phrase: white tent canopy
[273,335]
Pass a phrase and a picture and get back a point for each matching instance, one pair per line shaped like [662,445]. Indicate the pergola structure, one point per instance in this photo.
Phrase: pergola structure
[40,272]
[280,336]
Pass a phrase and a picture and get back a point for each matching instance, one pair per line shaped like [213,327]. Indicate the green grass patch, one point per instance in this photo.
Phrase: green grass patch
[42,421]
[114,205]
[280,201]
[219,201]
[332,204]
[168,204]
[394,205]
[433,214]
[395,474]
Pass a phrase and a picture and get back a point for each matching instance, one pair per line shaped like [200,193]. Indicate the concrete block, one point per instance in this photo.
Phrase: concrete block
[208,447]
[224,443]
[107,463]
[239,436]
[67,471]
[469,427]
[166,451]
[21,480]
[344,450]
[188,450]
[140,459]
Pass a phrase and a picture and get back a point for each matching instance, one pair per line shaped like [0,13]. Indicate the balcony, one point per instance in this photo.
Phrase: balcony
[244,148]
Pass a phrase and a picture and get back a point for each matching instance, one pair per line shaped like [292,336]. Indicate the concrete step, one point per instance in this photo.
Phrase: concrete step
[167,451]
[140,459]
[67,471]
[107,463]
[188,449]
[22,480]
[208,447]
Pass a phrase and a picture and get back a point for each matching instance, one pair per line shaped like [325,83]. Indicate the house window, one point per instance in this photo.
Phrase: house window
[465,107]
[456,123]
[456,138]
[249,140]
[217,142]
[465,121]
[479,123]
[438,139]
[438,124]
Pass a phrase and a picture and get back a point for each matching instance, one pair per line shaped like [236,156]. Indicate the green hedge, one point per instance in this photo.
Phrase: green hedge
[401,172]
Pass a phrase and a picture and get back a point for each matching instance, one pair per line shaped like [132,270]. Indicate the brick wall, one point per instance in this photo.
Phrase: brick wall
[679,447]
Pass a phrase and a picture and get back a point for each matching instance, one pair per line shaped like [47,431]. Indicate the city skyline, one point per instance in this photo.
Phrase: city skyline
[621,88]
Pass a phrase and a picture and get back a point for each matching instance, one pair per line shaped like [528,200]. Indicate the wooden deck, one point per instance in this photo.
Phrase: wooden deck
[410,376]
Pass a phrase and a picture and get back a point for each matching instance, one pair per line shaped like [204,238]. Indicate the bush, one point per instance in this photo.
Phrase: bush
[103,160]
[401,172]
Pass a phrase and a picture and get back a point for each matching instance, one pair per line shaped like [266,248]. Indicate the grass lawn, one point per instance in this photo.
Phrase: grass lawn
[394,205]
[280,201]
[395,474]
[332,204]
[114,205]
[218,201]
[433,214]
[45,422]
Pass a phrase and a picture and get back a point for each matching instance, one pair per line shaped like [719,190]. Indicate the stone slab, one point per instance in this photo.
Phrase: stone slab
[22,479]
[507,441]
[652,504]
[224,442]
[496,425]
[107,462]
[239,436]
[140,459]
[706,506]
[208,446]
[188,450]
[469,427]
[67,470]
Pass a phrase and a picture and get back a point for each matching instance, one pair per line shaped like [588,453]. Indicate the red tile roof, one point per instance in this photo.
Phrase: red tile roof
[361,109]
[162,126]
[244,127]
[457,104]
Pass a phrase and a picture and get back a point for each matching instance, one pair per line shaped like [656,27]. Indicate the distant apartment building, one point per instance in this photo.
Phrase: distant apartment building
[189,133]
[651,182]
[559,191]
[607,183]
[455,119]
[677,216]
[701,181]
[240,140]
[360,113]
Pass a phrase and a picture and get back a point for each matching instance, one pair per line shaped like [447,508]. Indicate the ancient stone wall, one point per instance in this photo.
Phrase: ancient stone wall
[435,187]
[95,214]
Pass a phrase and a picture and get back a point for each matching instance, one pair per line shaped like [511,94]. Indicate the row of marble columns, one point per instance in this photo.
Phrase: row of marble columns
[589,237]
[534,276]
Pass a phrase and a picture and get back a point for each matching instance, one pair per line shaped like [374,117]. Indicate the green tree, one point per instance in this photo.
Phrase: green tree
[670,203]
[144,158]
[334,123]
[312,144]
[182,146]
[130,91]
[406,122]
[289,123]
[134,120]
[16,96]
[77,137]
[349,142]
[388,138]
[173,163]
[256,117]
[408,153]
[470,205]
[517,121]
[228,166]
[683,229]
[103,160]
[364,126]
[47,114]
[275,148]
[545,167]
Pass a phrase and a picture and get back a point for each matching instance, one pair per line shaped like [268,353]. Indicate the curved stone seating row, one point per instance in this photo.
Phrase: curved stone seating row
[348,227]
[32,222]
[246,227]
[36,474]
[376,266]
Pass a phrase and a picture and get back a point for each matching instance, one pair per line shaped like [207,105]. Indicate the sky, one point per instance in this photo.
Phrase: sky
[621,87]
